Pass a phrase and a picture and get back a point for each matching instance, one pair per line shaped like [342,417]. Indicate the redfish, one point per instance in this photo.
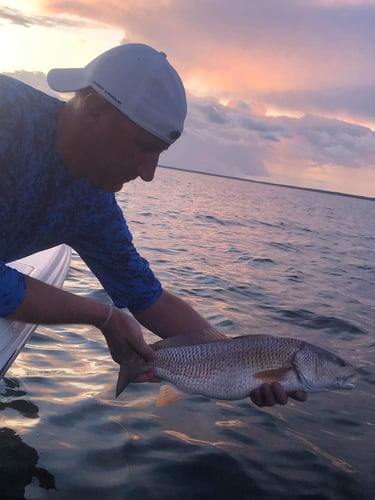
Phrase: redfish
[230,369]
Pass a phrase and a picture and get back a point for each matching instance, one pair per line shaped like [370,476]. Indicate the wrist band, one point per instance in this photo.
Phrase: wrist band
[108,317]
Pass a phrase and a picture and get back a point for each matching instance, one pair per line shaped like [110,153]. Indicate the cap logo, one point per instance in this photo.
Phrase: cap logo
[107,92]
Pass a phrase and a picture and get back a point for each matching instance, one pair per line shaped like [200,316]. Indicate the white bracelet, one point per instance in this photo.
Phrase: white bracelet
[108,318]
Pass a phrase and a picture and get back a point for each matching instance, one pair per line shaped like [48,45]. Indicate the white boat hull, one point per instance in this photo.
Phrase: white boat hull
[50,266]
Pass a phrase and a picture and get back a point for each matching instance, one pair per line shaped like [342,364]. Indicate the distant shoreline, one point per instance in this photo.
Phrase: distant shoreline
[271,183]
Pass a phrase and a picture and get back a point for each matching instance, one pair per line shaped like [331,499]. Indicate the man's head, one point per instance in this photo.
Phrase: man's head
[137,80]
[129,107]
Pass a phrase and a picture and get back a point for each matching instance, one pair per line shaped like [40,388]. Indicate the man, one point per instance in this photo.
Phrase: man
[61,164]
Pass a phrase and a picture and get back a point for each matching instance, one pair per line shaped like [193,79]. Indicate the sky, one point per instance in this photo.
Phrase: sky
[278,90]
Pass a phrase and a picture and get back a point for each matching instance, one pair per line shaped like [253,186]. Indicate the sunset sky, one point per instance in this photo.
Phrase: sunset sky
[278,90]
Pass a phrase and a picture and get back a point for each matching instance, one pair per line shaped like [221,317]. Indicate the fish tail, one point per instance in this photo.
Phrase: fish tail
[129,369]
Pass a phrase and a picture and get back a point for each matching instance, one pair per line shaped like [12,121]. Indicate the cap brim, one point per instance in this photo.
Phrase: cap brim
[67,79]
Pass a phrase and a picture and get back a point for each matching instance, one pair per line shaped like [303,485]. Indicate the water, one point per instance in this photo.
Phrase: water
[251,258]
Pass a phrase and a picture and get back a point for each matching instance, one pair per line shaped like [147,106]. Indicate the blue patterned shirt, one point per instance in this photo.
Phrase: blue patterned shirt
[43,205]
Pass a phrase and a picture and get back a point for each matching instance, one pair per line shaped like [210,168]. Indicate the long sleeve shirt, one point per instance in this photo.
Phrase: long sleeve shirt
[43,205]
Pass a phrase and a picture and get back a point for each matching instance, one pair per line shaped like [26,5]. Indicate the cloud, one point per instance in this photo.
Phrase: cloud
[304,56]
[357,101]
[214,141]
[309,150]
[233,140]
[15,16]
[213,114]
[36,79]
[244,62]
[333,142]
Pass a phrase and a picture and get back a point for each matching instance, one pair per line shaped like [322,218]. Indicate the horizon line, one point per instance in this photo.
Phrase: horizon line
[317,190]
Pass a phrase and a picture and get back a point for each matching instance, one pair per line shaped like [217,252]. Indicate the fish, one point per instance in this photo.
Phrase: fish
[231,368]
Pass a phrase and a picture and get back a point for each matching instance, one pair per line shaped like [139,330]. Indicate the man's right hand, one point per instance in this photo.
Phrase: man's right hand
[120,331]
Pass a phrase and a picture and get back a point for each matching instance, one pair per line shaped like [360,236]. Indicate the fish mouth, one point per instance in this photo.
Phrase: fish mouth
[339,384]
[347,385]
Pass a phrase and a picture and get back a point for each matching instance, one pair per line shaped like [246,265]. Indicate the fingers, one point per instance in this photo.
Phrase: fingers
[135,337]
[299,396]
[144,350]
[274,393]
[269,395]
[149,376]
[124,337]
[137,340]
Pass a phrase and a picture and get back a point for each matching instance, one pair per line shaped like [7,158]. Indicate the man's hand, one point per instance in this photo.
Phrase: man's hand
[272,394]
[123,333]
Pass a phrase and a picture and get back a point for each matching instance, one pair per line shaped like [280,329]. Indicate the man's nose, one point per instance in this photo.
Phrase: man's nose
[147,169]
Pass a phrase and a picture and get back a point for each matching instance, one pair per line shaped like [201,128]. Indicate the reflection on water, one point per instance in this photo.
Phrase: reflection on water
[18,466]
[13,398]
[18,461]
[252,259]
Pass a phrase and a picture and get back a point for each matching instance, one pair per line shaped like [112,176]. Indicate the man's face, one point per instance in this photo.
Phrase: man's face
[120,151]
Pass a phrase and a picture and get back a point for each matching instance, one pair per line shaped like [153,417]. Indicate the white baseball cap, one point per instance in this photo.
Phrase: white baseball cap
[136,79]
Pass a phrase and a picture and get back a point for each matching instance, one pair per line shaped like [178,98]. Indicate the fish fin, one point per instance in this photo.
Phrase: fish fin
[169,394]
[129,369]
[272,375]
[123,379]
[185,339]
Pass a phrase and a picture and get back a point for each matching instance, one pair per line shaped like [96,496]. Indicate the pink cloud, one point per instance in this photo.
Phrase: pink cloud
[305,57]
[244,46]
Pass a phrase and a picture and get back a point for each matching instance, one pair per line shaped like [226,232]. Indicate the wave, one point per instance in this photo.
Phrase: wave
[309,319]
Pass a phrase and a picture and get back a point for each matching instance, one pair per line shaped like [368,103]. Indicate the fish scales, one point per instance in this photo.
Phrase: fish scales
[224,369]
[231,368]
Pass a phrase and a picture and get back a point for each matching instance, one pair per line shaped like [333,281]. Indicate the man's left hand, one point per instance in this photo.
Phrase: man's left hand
[274,393]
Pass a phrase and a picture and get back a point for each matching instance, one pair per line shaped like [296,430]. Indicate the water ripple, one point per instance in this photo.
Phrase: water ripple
[268,260]
[309,319]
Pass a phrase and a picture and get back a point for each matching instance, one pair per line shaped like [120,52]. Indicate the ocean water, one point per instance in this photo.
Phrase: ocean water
[252,258]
